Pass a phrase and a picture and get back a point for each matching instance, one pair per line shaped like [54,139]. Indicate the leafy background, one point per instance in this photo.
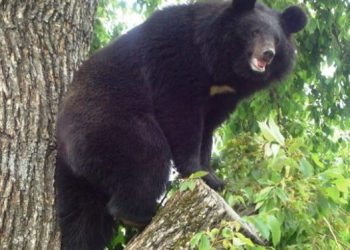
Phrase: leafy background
[285,152]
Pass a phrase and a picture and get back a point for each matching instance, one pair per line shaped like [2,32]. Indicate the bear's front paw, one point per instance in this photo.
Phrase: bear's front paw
[214,182]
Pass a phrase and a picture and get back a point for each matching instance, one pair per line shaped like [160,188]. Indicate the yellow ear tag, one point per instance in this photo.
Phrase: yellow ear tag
[221,89]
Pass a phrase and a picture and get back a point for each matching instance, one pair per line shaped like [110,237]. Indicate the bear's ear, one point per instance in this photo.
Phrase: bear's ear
[294,19]
[243,5]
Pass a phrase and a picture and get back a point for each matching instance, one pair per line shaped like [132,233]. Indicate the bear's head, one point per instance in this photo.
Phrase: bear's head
[252,43]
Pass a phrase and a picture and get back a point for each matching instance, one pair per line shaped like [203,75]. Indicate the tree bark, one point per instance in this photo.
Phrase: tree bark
[185,214]
[42,42]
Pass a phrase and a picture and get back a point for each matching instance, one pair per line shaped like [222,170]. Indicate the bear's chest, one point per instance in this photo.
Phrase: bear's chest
[222,102]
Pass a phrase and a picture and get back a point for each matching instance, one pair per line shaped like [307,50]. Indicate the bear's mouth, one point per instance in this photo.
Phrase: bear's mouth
[258,65]
[262,57]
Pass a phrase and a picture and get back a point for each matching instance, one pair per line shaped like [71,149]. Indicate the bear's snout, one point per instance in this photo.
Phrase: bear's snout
[263,55]
[268,55]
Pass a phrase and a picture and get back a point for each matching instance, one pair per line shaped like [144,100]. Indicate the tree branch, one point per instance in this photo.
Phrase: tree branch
[185,214]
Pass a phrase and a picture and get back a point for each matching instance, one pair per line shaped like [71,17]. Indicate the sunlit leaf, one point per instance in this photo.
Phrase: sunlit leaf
[198,174]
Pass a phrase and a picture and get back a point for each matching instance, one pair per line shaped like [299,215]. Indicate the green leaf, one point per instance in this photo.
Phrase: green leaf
[263,194]
[191,185]
[262,227]
[227,232]
[343,185]
[187,184]
[281,194]
[276,132]
[245,240]
[316,160]
[265,130]
[183,186]
[204,243]
[118,239]
[195,240]
[271,132]
[213,233]
[226,243]
[275,228]
[198,174]
[333,193]
[306,168]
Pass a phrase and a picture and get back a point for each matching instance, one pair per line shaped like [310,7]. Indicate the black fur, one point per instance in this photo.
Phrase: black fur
[145,99]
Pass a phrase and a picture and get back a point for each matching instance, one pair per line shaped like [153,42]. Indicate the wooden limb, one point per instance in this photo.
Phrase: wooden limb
[185,214]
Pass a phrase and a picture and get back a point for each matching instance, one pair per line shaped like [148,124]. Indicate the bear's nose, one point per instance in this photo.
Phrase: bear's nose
[268,55]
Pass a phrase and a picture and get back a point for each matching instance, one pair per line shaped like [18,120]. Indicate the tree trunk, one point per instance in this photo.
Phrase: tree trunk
[42,42]
[185,214]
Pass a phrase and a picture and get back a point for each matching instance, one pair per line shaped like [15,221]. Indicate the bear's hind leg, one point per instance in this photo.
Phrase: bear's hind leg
[129,159]
[142,173]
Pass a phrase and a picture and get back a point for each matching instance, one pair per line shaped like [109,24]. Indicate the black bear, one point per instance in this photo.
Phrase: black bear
[155,95]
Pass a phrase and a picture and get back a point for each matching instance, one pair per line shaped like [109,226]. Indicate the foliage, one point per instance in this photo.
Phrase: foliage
[225,237]
[104,30]
[291,180]
[112,18]
[190,182]
[298,199]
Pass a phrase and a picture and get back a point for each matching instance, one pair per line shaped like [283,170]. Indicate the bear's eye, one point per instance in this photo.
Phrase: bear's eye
[277,40]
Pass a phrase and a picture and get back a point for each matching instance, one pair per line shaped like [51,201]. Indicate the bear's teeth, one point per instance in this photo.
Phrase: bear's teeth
[257,65]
